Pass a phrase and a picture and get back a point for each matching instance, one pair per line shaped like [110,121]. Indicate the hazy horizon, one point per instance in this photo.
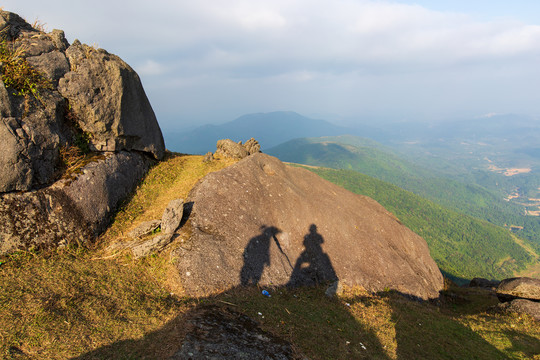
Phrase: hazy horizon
[208,62]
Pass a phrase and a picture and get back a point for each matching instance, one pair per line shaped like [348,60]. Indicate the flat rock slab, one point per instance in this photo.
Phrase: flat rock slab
[519,288]
[226,334]
[262,222]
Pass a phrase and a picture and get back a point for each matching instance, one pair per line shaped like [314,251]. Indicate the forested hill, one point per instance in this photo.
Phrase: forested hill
[463,246]
[373,159]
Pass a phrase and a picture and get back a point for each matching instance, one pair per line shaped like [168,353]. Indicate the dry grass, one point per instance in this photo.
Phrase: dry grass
[168,180]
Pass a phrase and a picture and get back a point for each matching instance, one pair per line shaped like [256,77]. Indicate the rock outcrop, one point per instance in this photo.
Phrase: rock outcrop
[261,222]
[86,98]
[229,149]
[97,90]
[522,306]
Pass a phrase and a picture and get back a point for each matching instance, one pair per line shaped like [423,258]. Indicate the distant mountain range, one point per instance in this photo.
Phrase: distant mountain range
[269,129]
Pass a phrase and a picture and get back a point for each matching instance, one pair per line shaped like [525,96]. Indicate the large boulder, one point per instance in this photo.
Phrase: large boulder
[72,210]
[89,91]
[262,222]
[107,98]
[519,288]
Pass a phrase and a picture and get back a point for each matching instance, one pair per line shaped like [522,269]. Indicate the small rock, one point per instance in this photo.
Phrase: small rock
[172,216]
[484,283]
[252,146]
[229,149]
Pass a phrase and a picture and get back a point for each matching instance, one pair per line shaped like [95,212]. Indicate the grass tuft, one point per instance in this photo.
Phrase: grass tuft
[18,74]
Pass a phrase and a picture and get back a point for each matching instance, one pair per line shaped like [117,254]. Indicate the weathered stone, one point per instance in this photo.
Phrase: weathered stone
[208,157]
[519,288]
[33,43]
[145,228]
[226,334]
[484,283]
[108,99]
[229,149]
[172,216]
[100,187]
[252,146]
[30,143]
[53,64]
[157,243]
[522,306]
[262,222]
[59,40]
[71,210]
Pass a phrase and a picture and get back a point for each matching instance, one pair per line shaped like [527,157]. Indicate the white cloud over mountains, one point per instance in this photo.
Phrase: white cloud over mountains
[351,57]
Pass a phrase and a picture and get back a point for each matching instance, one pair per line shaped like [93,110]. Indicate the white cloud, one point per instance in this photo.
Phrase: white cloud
[312,53]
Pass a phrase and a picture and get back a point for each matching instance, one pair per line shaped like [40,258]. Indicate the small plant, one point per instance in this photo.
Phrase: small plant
[18,74]
[39,26]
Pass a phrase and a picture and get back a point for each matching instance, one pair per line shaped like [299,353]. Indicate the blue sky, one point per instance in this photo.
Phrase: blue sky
[210,61]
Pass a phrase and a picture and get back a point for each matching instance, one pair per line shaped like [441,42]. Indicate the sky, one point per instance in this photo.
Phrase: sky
[345,61]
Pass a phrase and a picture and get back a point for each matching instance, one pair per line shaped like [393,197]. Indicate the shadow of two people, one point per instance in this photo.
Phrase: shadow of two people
[313,266]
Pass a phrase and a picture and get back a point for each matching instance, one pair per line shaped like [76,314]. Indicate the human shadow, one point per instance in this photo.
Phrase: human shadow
[257,255]
[313,266]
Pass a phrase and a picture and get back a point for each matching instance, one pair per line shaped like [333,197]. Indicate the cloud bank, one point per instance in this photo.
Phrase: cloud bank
[210,61]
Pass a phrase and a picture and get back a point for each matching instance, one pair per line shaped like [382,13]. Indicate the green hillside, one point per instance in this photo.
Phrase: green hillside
[374,159]
[463,246]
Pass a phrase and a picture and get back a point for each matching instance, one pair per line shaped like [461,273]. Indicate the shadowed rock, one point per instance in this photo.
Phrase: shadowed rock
[355,239]
[522,306]
[484,283]
[226,334]
[70,210]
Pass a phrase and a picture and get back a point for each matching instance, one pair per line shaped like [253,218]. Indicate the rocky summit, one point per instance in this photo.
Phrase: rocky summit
[260,222]
[80,100]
